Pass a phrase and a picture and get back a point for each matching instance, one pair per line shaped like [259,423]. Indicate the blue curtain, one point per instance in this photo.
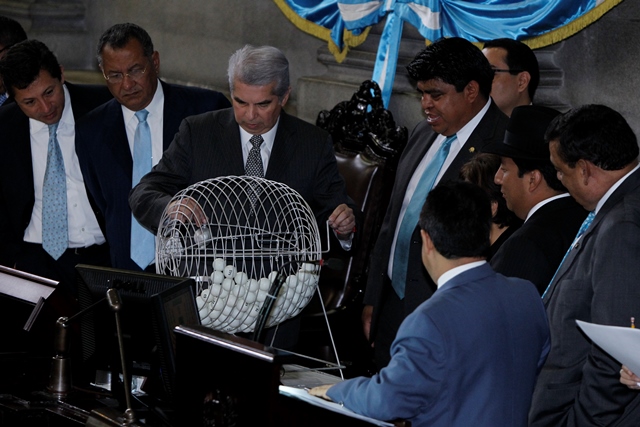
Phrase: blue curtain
[548,21]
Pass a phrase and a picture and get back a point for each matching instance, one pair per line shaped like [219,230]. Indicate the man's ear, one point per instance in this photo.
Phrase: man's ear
[535,178]
[584,169]
[523,81]
[471,91]
[427,243]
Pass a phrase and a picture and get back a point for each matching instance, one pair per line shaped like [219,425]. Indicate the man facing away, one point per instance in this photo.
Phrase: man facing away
[469,355]
[533,192]
[47,221]
[595,153]
[516,73]
[454,81]
[121,140]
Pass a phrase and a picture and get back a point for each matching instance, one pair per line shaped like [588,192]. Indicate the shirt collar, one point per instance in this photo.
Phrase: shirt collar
[154,108]
[450,274]
[544,202]
[268,138]
[465,132]
[613,188]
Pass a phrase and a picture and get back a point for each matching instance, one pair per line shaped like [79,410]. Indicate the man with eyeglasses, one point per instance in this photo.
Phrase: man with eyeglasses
[47,221]
[516,73]
[123,139]
[11,32]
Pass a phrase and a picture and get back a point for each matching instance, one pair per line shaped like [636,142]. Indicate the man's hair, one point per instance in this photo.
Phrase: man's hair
[595,133]
[457,217]
[480,170]
[260,66]
[520,57]
[455,61]
[545,167]
[11,32]
[22,64]
[119,35]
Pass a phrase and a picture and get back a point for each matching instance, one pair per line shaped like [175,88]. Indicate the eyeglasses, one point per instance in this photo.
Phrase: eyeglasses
[513,71]
[133,74]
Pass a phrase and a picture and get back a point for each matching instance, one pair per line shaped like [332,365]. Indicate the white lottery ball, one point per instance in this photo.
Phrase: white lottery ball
[223,293]
[231,300]
[272,276]
[261,296]
[205,294]
[241,278]
[236,323]
[226,310]
[218,264]
[202,236]
[238,291]
[307,267]
[219,305]
[303,276]
[292,281]
[229,271]
[251,297]
[253,285]
[264,284]
[199,302]
[204,311]
[217,277]
[228,284]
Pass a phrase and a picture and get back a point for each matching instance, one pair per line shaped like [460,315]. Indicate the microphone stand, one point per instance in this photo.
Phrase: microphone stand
[106,417]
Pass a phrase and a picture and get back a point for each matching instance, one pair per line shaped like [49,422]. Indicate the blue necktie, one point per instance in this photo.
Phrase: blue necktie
[55,227]
[585,224]
[412,214]
[142,241]
[3,97]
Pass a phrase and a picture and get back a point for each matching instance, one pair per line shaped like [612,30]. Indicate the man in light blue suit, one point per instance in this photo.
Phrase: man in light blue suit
[471,353]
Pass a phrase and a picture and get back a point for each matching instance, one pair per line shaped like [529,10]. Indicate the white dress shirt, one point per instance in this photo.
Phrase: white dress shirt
[83,226]
[155,119]
[461,138]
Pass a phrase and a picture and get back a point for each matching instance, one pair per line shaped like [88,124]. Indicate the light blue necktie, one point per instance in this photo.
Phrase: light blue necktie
[55,227]
[585,224]
[142,241]
[3,97]
[412,214]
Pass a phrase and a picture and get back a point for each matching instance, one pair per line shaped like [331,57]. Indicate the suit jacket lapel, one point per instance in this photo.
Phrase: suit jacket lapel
[229,143]
[116,137]
[172,113]
[283,150]
[631,183]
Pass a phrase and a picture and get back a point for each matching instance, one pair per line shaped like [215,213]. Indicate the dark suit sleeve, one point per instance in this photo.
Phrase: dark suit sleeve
[173,173]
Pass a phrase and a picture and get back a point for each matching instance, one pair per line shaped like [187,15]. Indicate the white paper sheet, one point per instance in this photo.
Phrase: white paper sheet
[623,344]
[331,406]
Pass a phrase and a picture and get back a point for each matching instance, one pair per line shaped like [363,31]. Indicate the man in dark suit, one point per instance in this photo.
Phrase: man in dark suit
[257,132]
[454,80]
[595,153]
[36,128]
[533,192]
[106,136]
[11,32]
[469,355]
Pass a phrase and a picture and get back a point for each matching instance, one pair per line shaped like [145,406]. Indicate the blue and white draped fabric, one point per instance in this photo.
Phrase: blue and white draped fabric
[539,22]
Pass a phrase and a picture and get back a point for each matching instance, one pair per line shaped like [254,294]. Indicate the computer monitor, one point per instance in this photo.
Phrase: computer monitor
[152,305]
